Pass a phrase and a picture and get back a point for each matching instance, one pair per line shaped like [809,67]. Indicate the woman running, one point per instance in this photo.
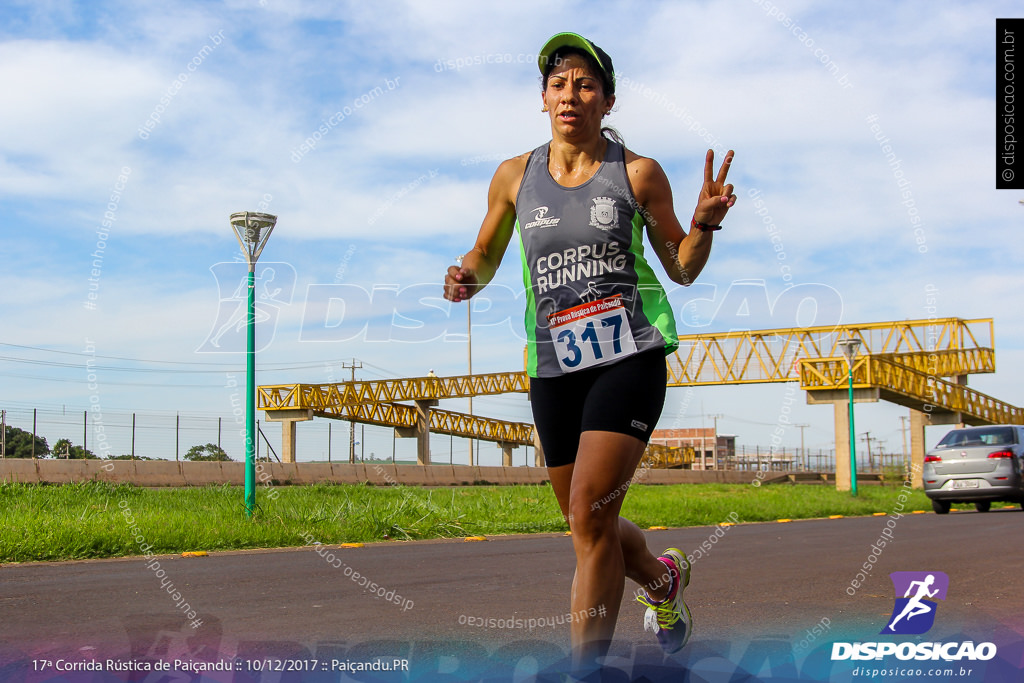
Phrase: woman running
[598,326]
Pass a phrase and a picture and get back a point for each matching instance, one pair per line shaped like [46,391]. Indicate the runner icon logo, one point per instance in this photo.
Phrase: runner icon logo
[914,612]
[273,287]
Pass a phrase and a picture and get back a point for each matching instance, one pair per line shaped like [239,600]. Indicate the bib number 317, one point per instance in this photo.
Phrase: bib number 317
[591,334]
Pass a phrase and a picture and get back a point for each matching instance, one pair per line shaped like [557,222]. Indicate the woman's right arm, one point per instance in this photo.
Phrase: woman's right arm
[480,263]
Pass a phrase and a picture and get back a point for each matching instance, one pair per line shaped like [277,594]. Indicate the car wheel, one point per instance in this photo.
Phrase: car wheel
[941,507]
[983,505]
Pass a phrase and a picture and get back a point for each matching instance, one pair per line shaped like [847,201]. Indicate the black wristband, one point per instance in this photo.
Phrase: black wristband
[702,227]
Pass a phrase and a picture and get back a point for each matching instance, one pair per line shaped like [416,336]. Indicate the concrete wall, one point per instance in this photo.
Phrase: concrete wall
[163,473]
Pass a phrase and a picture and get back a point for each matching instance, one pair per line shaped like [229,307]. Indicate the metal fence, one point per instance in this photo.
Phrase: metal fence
[169,435]
[795,460]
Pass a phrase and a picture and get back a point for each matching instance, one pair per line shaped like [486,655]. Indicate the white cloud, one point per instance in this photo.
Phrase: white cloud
[80,81]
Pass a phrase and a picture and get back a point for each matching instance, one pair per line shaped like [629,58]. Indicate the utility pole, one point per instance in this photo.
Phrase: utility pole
[867,440]
[803,453]
[714,463]
[352,423]
[903,432]
[881,453]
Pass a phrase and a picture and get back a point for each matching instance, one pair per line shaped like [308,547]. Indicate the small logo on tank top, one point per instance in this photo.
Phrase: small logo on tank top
[603,214]
[540,219]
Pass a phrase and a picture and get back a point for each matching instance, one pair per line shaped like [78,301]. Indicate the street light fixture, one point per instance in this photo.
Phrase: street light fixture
[849,347]
[252,230]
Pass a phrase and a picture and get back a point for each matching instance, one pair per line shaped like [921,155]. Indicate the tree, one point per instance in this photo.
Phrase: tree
[128,456]
[64,449]
[209,452]
[19,443]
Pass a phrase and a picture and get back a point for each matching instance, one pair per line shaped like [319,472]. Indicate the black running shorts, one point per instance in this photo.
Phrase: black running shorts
[626,397]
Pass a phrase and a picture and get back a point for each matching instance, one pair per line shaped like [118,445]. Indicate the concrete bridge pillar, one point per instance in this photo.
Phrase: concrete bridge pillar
[288,416]
[423,407]
[538,451]
[841,409]
[421,431]
[918,421]
[840,400]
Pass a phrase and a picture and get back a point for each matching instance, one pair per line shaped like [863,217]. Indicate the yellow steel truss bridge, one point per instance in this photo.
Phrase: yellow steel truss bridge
[921,364]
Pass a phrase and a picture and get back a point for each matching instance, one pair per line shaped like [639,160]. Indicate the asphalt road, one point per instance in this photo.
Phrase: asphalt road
[758,583]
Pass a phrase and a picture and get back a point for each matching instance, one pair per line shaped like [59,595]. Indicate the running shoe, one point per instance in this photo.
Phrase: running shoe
[670,620]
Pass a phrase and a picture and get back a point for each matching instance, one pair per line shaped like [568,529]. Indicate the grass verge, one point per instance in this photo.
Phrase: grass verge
[93,520]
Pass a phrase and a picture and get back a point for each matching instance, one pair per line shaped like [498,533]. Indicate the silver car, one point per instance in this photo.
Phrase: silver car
[977,465]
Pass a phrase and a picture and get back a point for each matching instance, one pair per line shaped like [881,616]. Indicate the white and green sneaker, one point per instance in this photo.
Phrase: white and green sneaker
[670,620]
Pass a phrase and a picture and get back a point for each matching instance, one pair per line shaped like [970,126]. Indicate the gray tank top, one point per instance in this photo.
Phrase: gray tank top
[592,298]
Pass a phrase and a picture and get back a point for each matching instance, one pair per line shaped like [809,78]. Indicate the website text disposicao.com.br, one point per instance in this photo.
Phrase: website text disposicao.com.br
[460,63]
[953,659]
[911,672]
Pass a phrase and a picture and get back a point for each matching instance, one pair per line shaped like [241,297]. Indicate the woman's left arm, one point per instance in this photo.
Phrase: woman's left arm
[682,254]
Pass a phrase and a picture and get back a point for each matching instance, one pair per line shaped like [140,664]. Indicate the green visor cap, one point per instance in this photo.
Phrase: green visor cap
[560,40]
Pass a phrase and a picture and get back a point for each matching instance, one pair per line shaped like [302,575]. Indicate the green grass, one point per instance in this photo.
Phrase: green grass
[88,520]
[713,503]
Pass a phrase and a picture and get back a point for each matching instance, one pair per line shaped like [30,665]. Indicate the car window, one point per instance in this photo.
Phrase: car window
[1000,436]
[957,438]
[979,436]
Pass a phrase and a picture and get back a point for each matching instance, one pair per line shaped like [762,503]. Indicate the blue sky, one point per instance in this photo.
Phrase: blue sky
[372,131]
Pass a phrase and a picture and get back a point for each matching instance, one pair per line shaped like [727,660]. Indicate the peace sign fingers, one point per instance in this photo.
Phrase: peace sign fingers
[716,196]
[709,167]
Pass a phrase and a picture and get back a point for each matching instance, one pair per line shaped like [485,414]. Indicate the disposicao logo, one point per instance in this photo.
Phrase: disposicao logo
[913,614]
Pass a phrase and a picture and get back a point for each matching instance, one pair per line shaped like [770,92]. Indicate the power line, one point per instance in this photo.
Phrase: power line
[222,366]
[106,382]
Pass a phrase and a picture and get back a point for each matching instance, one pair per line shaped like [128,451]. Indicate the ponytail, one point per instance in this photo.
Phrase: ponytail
[613,135]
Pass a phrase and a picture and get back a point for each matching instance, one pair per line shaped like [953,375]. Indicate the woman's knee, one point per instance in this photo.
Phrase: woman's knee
[593,519]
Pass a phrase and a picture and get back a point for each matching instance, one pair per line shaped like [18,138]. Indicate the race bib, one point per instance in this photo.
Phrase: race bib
[591,334]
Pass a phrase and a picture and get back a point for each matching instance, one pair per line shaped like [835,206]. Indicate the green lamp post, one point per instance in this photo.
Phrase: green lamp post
[252,230]
[849,347]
